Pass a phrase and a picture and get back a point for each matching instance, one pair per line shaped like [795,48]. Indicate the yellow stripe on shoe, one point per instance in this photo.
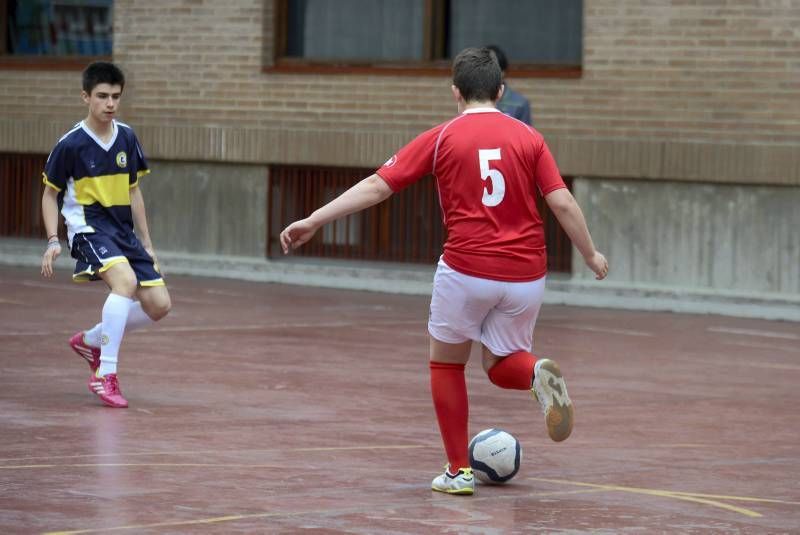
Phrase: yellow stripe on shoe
[463,483]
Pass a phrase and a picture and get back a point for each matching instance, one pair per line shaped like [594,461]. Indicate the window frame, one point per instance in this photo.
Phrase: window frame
[433,47]
[27,62]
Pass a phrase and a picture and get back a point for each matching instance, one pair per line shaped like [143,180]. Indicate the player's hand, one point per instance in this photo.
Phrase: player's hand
[598,263]
[49,257]
[297,234]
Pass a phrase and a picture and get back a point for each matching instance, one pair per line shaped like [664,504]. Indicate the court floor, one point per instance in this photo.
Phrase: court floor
[261,408]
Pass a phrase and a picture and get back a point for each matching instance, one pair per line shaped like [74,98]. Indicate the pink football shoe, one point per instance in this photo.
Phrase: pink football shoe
[91,354]
[107,389]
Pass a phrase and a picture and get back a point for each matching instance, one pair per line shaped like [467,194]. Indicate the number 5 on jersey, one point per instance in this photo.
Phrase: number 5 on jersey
[498,182]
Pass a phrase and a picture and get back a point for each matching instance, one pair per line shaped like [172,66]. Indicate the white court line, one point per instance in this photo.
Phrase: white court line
[303,325]
[84,287]
[592,328]
[237,452]
[754,332]
[756,345]
[73,287]
[218,328]
[39,333]
[779,366]
[191,300]
[212,291]
[421,332]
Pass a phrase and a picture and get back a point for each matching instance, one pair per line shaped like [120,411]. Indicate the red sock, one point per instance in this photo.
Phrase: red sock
[514,371]
[449,390]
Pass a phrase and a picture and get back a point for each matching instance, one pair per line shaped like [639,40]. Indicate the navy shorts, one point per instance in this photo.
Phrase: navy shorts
[96,252]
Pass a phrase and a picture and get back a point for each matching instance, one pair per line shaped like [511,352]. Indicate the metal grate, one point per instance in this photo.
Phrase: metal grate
[559,247]
[21,194]
[405,228]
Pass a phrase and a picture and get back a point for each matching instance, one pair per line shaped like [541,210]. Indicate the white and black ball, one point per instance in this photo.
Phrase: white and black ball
[494,456]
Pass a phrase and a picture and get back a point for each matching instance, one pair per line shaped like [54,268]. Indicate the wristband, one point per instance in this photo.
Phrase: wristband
[50,237]
[52,244]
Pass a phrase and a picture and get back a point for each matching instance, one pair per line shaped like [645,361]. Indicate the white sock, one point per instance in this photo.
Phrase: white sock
[92,336]
[137,318]
[115,315]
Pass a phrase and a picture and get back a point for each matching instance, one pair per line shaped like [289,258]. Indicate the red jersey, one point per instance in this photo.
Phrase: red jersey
[489,168]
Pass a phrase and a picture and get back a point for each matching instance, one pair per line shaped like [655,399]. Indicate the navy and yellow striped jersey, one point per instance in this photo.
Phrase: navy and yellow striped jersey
[94,178]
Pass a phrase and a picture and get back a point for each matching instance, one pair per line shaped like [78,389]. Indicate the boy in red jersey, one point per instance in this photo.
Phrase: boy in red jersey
[489,283]
[92,179]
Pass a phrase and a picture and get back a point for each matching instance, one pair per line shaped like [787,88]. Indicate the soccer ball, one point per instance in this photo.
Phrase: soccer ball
[494,456]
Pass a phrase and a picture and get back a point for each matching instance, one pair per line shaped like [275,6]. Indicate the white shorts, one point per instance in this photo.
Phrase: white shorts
[501,315]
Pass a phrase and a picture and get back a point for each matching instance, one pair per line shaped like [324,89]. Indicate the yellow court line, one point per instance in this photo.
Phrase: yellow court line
[219,452]
[682,493]
[734,498]
[713,503]
[229,518]
[555,493]
[163,524]
[99,465]
[707,499]
[210,520]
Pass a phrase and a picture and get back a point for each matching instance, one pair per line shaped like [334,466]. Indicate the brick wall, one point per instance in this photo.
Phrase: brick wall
[675,89]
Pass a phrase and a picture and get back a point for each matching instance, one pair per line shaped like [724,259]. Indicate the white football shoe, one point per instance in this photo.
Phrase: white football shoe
[463,482]
[550,390]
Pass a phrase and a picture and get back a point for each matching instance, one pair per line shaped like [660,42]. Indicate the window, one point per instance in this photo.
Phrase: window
[407,227]
[21,196]
[50,31]
[541,32]
[540,37]
[355,30]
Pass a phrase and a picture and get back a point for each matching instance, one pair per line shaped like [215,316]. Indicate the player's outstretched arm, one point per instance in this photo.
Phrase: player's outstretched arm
[569,214]
[50,219]
[366,193]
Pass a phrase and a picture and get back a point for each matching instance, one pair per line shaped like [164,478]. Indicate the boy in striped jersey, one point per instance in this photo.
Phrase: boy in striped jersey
[92,178]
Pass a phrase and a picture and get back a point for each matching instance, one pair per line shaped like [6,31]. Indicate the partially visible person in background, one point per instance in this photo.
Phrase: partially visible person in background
[511,103]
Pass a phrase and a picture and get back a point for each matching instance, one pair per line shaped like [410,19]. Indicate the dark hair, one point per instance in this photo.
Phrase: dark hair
[501,57]
[102,72]
[477,75]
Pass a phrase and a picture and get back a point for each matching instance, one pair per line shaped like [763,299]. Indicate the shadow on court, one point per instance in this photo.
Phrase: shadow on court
[259,408]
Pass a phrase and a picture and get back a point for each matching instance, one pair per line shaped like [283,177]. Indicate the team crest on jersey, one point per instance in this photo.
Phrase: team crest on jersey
[391,161]
[122,159]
